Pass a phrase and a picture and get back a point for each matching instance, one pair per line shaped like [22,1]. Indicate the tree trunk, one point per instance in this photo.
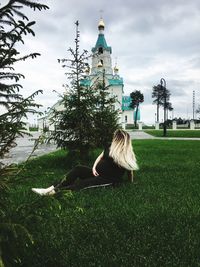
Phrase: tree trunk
[136,113]
[157,112]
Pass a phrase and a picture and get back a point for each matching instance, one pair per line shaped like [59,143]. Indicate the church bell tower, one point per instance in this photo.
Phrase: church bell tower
[101,53]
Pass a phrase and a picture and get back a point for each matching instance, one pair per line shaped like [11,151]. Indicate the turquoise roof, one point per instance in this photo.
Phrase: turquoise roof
[101,42]
[116,81]
[85,82]
[126,101]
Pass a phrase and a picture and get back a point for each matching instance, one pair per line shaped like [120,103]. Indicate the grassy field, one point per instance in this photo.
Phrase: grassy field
[153,222]
[175,133]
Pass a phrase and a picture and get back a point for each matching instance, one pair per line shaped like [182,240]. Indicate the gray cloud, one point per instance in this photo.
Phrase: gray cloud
[195,62]
[151,39]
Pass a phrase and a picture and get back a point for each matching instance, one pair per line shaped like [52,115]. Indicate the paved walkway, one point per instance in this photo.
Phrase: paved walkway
[144,135]
[140,135]
[24,148]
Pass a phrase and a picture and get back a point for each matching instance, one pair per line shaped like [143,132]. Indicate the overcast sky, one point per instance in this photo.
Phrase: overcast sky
[151,39]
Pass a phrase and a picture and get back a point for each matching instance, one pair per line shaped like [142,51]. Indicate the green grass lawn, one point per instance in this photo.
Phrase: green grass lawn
[175,133]
[153,222]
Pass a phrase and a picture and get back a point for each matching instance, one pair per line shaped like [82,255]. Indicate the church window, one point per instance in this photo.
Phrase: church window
[100,50]
[126,119]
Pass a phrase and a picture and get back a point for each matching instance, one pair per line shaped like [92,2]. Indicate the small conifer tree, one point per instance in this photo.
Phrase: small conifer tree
[88,118]
[74,124]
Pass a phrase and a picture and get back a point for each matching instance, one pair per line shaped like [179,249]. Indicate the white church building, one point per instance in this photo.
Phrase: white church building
[101,65]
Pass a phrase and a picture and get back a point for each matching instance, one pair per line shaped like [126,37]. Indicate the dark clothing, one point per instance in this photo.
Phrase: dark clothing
[81,176]
[108,168]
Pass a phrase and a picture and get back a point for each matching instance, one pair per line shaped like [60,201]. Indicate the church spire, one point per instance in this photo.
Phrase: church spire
[101,26]
[101,41]
[101,52]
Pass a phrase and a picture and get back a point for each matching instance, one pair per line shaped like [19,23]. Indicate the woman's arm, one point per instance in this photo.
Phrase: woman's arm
[130,176]
[95,164]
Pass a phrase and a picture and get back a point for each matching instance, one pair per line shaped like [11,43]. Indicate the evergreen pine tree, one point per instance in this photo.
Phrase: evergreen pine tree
[75,123]
[14,107]
[158,95]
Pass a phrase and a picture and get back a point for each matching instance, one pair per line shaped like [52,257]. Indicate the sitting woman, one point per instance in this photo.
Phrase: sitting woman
[108,168]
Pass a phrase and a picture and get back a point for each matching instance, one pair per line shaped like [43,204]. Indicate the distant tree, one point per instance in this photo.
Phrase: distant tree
[75,123]
[136,98]
[198,110]
[14,107]
[158,95]
[169,108]
[106,117]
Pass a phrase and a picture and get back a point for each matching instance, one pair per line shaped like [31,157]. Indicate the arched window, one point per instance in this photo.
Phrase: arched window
[100,50]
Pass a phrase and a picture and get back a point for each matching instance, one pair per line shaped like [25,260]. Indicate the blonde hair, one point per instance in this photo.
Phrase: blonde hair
[121,150]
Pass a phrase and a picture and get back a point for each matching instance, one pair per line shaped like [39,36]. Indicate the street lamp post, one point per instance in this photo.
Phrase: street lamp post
[163,86]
